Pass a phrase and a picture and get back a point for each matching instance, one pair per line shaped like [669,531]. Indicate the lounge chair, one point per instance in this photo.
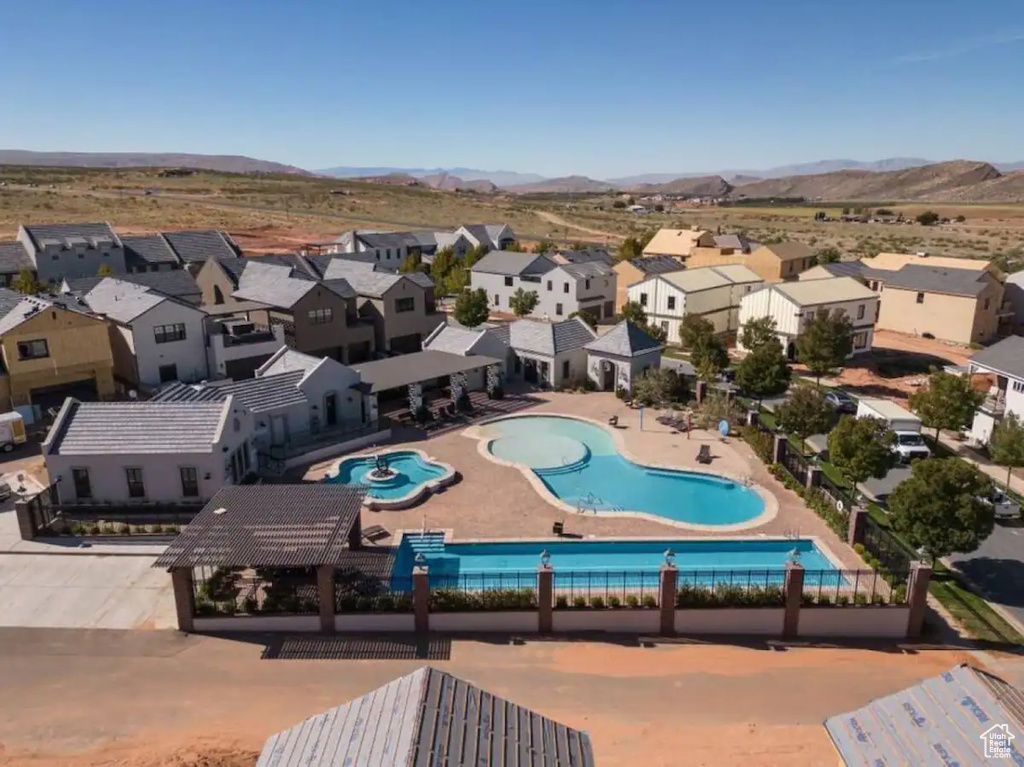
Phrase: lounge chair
[558,528]
[704,454]
[375,533]
[613,420]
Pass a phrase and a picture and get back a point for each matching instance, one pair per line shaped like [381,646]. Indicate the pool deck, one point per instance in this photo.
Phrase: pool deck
[491,501]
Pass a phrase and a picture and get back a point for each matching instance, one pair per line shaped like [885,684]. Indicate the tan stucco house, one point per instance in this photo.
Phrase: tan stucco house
[639,269]
[678,242]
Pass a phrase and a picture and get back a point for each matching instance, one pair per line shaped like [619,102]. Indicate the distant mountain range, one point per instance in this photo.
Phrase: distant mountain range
[497,177]
[218,162]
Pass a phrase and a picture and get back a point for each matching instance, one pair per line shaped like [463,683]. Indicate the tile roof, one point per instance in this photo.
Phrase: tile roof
[418,718]
[944,719]
[454,340]
[513,263]
[199,245]
[734,242]
[588,269]
[64,233]
[16,308]
[893,262]
[122,301]
[657,264]
[583,256]
[789,251]
[830,291]
[287,360]
[936,279]
[14,258]
[624,340]
[738,273]
[367,279]
[395,372]
[272,284]
[696,280]
[97,428]
[177,283]
[148,249]
[257,395]
[1006,356]
[549,338]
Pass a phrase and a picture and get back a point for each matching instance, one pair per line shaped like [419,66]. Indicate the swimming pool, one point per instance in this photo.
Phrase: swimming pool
[413,473]
[701,561]
[580,465]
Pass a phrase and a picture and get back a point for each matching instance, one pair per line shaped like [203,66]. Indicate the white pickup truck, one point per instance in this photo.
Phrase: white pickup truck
[909,444]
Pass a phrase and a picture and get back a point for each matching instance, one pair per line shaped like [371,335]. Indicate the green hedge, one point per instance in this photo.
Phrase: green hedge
[631,602]
[694,596]
[458,601]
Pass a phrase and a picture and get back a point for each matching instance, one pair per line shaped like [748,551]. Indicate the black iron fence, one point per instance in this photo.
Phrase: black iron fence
[356,592]
[839,497]
[255,591]
[469,592]
[854,587]
[796,465]
[611,588]
[891,553]
[730,588]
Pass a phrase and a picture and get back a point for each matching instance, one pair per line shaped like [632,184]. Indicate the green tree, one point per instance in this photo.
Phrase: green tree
[764,372]
[544,246]
[928,218]
[411,263]
[961,219]
[629,249]
[937,508]
[475,254]
[523,302]
[659,387]
[634,312]
[694,330]
[1007,445]
[457,280]
[646,237]
[514,247]
[444,262]
[948,402]
[758,331]
[805,413]
[104,270]
[861,448]
[828,256]
[587,317]
[826,342]
[27,283]
[709,357]
[471,307]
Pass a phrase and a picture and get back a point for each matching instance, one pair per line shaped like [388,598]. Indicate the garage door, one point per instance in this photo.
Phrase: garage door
[46,397]
[406,344]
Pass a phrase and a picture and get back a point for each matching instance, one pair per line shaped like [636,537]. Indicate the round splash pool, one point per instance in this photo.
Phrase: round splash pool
[552,452]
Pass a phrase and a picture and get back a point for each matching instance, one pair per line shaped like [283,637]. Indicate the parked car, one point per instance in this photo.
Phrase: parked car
[841,402]
[1006,508]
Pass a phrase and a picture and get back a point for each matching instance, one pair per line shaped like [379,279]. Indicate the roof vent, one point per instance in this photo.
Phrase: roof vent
[220,511]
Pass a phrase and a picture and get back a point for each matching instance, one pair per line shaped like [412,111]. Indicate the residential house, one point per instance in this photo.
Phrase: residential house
[561,289]
[1013,298]
[793,304]
[953,299]
[490,236]
[154,338]
[617,358]
[547,353]
[294,398]
[177,283]
[629,273]
[52,349]
[236,348]
[320,316]
[781,260]
[678,243]
[138,453]
[197,246]
[431,243]
[72,250]
[583,256]
[1003,361]
[485,341]
[149,253]
[14,258]
[401,307]
[713,293]
[389,249]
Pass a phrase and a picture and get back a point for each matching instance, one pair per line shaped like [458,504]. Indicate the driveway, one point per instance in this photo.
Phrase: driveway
[997,569]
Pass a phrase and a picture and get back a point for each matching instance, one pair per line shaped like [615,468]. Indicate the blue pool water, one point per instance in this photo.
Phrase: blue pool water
[412,470]
[579,463]
[702,561]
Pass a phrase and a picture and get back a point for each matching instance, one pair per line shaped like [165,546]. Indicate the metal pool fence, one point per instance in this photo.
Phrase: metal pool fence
[853,587]
[358,593]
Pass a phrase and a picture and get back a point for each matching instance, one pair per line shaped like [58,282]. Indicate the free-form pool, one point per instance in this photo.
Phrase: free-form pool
[580,465]
[412,471]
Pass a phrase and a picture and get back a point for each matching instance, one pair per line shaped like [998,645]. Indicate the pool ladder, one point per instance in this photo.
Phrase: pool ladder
[594,501]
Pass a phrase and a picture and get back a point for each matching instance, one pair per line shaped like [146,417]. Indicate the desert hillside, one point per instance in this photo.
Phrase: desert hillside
[223,163]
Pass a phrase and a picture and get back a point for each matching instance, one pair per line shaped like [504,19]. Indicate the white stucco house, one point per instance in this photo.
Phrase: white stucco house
[137,453]
[547,353]
[620,356]
[1004,361]
[488,342]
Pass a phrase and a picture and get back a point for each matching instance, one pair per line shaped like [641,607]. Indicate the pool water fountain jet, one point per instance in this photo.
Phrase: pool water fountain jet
[381,471]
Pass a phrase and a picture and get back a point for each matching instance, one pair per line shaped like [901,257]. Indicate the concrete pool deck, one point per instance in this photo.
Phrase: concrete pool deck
[492,501]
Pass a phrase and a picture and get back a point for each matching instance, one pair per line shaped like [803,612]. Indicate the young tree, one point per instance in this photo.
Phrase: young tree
[444,262]
[27,283]
[828,256]
[629,249]
[523,302]
[543,246]
[475,254]
[709,357]
[805,413]
[861,448]
[587,317]
[764,372]
[937,507]
[514,247]
[659,387]
[826,342]
[758,331]
[471,307]
[411,263]
[694,330]
[456,281]
[634,312]
[1007,445]
[948,402]
[928,218]
[104,270]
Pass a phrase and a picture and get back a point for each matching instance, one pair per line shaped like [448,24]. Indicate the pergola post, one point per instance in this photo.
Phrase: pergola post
[355,534]
[183,583]
[325,594]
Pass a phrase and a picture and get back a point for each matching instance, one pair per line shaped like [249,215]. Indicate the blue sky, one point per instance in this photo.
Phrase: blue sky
[597,87]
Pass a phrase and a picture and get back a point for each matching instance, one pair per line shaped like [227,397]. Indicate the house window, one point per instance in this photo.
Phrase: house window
[81,255]
[586,284]
[671,303]
[643,299]
[168,373]
[164,334]
[405,304]
[387,254]
[136,487]
[549,284]
[860,312]
[860,340]
[565,369]
[497,300]
[218,295]
[558,309]
[664,326]
[189,482]
[565,287]
[321,316]
[378,255]
[33,350]
[987,303]
[508,282]
[920,298]
[1018,386]
[83,488]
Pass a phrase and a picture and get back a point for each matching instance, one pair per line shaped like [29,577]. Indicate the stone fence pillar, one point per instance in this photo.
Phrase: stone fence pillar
[667,582]
[23,513]
[325,594]
[813,477]
[183,583]
[421,598]
[779,448]
[793,592]
[917,597]
[858,523]
[545,599]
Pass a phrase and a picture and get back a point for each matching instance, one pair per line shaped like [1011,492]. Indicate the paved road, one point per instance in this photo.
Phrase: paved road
[997,568]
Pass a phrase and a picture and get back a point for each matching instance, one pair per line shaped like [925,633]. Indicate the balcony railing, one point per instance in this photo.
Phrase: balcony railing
[994,404]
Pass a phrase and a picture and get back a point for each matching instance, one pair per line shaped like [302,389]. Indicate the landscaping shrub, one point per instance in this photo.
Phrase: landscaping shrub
[488,600]
[760,442]
[579,601]
[561,602]
[650,601]
[614,602]
[621,392]
[597,603]
[695,596]
[632,601]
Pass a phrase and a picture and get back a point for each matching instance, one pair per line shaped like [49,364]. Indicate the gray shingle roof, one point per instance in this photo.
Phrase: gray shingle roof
[367,280]
[91,233]
[585,256]
[148,249]
[16,308]
[420,278]
[395,372]
[417,718]
[14,258]
[122,301]
[396,240]
[258,395]
[95,428]
[1006,356]
[941,721]
[513,263]
[624,340]
[588,269]
[200,245]
[479,233]
[549,338]
[177,283]
[452,339]
[854,269]
[937,279]
[657,264]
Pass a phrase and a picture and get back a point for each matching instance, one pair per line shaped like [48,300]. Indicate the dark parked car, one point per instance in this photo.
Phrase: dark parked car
[841,402]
